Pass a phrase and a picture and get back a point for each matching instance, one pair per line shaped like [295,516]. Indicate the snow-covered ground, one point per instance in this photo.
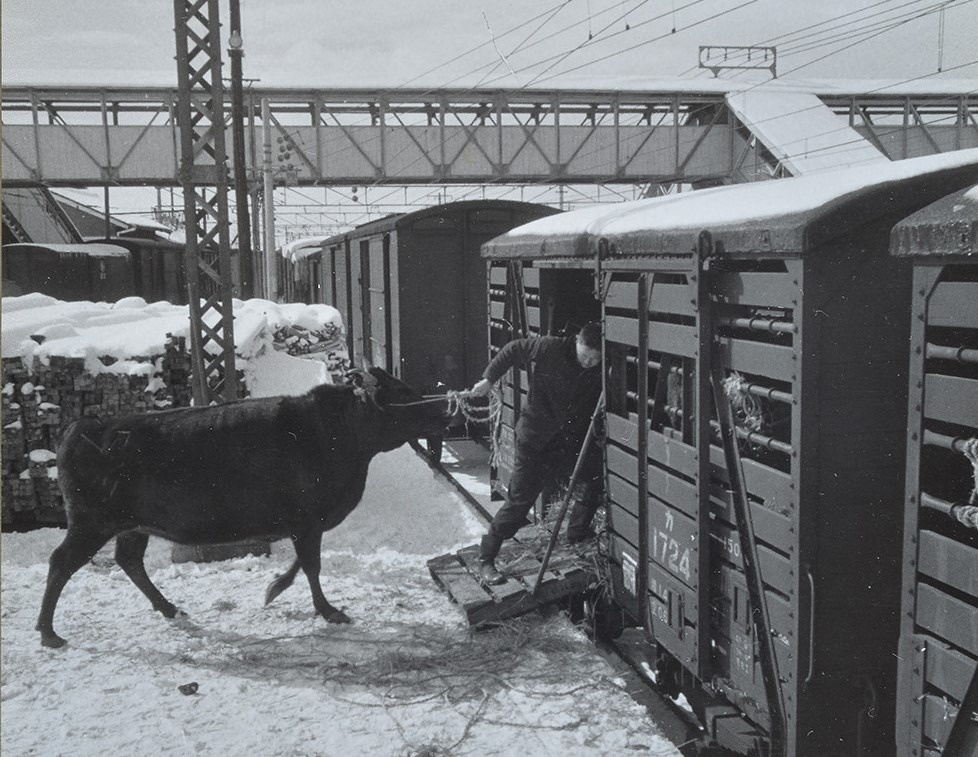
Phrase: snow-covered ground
[407,677]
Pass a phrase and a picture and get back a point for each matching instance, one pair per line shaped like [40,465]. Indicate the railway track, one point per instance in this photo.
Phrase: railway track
[625,654]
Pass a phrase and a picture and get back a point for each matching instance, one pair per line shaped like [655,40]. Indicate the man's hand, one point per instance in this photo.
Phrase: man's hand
[481,388]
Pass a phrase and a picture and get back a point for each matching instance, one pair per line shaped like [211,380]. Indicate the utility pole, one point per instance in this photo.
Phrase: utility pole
[268,189]
[245,255]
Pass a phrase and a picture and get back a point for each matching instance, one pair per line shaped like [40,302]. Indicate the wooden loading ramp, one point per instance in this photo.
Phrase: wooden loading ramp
[569,572]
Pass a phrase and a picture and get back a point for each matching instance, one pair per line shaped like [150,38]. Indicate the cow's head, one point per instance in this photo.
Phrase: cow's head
[401,412]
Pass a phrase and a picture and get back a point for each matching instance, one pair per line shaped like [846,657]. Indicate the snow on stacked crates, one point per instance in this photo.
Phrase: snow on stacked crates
[39,405]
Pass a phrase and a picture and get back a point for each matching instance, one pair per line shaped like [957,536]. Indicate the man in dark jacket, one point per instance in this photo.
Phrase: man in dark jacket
[565,383]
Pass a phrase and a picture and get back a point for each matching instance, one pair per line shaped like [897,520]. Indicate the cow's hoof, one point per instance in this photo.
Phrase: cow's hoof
[52,640]
[169,611]
[338,616]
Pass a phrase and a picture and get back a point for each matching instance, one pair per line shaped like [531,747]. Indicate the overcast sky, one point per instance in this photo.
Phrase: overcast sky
[504,43]
[604,44]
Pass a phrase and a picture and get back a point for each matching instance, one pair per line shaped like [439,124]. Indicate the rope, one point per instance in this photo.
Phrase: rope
[745,405]
[970,450]
[459,402]
[967,515]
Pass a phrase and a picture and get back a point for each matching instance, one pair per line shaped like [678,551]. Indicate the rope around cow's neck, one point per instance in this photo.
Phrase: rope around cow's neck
[459,402]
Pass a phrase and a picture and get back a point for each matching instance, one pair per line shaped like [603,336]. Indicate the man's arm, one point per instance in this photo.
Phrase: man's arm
[516,352]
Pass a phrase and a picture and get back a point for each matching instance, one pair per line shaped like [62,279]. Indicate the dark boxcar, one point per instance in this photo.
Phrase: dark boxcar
[157,268]
[939,631]
[71,272]
[755,348]
[412,289]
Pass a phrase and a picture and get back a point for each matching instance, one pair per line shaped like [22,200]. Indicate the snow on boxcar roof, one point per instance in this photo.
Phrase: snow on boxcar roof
[946,227]
[786,215]
[298,249]
[96,250]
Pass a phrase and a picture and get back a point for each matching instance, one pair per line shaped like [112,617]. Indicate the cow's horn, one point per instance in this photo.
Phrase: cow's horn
[365,383]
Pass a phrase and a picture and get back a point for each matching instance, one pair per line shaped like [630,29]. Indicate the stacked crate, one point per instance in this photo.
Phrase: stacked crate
[39,405]
[939,634]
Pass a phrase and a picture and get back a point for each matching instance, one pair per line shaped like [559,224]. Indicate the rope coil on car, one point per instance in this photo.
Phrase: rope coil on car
[967,515]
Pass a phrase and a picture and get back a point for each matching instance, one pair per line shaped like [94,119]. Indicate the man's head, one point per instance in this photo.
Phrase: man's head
[589,345]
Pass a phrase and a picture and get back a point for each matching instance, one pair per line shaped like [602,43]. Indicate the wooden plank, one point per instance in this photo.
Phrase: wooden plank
[673,339]
[769,526]
[759,289]
[673,491]
[949,562]
[672,298]
[622,523]
[478,602]
[623,493]
[622,431]
[945,668]
[938,716]
[622,295]
[772,360]
[772,486]
[948,617]
[951,399]
[674,454]
[623,464]
[531,277]
[497,275]
[775,570]
[497,310]
[621,330]
[954,303]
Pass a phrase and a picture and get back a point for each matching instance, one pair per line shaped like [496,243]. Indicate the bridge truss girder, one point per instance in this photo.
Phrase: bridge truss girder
[92,136]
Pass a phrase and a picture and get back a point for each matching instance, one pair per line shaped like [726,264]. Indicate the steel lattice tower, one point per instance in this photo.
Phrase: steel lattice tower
[204,178]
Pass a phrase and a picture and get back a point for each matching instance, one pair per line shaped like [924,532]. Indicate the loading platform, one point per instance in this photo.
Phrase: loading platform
[569,571]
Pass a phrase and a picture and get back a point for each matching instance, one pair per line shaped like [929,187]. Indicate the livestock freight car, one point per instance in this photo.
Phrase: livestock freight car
[755,362]
[412,289]
[938,659]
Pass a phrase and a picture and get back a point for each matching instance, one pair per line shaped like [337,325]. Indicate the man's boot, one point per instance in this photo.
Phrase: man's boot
[488,549]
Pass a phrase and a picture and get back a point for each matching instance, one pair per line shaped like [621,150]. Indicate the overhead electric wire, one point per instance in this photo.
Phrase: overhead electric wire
[863,32]
[656,39]
[552,10]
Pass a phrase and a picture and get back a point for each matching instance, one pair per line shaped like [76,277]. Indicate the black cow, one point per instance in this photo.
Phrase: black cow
[281,467]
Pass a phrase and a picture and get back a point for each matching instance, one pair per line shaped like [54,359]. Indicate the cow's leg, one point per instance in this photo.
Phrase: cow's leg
[79,546]
[307,550]
[282,582]
[129,550]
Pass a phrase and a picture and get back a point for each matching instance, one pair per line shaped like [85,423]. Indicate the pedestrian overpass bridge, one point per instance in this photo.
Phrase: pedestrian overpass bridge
[709,133]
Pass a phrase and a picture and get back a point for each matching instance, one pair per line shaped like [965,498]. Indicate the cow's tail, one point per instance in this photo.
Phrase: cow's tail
[282,582]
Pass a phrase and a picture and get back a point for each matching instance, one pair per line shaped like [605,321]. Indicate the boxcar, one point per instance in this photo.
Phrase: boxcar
[755,356]
[157,268]
[938,684]
[97,272]
[412,289]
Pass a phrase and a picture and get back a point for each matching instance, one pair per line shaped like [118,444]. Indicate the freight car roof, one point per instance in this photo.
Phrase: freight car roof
[785,216]
[398,220]
[946,227]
